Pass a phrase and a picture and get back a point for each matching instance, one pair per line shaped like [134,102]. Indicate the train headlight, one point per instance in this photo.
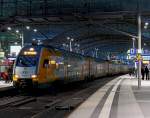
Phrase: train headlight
[15,78]
[34,77]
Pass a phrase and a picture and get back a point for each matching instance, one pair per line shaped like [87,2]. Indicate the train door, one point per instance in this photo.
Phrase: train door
[91,69]
[86,68]
[44,69]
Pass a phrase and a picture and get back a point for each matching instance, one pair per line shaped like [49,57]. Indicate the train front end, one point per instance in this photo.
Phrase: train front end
[25,69]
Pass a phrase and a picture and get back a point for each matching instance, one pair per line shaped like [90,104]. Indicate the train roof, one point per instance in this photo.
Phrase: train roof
[65,51]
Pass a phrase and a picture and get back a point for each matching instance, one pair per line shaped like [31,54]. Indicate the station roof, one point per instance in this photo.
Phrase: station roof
[108,25]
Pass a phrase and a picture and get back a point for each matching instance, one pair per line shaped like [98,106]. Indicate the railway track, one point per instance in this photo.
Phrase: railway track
[48,105]
[62,107]
[15,101]
[8,91]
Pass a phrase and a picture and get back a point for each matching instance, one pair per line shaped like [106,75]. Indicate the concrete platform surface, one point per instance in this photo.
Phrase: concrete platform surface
[120,98]
[4,84]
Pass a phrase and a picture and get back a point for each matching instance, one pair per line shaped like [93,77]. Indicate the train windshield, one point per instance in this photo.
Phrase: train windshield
[26,61]
[28,57]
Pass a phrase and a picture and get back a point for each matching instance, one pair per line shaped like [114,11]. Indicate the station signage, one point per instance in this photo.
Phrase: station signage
[139,57]
[14,50]
[2,54]
[133,51]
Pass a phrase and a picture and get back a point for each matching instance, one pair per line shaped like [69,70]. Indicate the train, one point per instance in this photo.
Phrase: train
[39,66]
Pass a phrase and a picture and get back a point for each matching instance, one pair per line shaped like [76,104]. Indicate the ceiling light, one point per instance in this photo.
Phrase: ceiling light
[68,38]
[72,39]
[146,23]
[9,28]
[17,31]
[145,27]
[133,39]
[35,30]
[16,43]
[27,27]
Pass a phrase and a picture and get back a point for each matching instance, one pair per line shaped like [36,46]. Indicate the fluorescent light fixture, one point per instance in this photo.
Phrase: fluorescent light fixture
[35,30]
[9,28]
[15,43]
[17,31]
[145,27]
[68,38]
[72,39]
[69,65]
[27,27]
[139,51]
[133,39]
[146,23]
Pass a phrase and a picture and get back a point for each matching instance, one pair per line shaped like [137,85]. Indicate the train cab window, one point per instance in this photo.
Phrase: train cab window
[27,61]
[45,63]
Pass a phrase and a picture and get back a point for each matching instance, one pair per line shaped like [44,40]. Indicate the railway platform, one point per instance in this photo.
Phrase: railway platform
[3,84]
[120,98]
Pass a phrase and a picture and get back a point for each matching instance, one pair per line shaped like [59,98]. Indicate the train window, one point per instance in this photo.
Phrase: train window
[27,61]
[45,63]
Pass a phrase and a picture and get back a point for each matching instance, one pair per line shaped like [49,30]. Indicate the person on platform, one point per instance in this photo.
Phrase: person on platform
[10,72]
[4,75]
[143,73]
[147,73]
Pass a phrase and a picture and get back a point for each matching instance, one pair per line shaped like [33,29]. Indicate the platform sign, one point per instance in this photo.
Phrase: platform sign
[2,54]
[14,50]
[139,57]
[146,58]
[132,51]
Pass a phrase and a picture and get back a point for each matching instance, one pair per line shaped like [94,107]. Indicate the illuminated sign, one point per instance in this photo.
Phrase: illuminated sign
[52,62]
[30,53]
[132,51]
[2,54]
[146,57]
[69,65]
[31,49]
[145,62]
[14,50]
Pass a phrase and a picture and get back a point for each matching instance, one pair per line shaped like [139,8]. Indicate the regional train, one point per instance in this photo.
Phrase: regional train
[41,66]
